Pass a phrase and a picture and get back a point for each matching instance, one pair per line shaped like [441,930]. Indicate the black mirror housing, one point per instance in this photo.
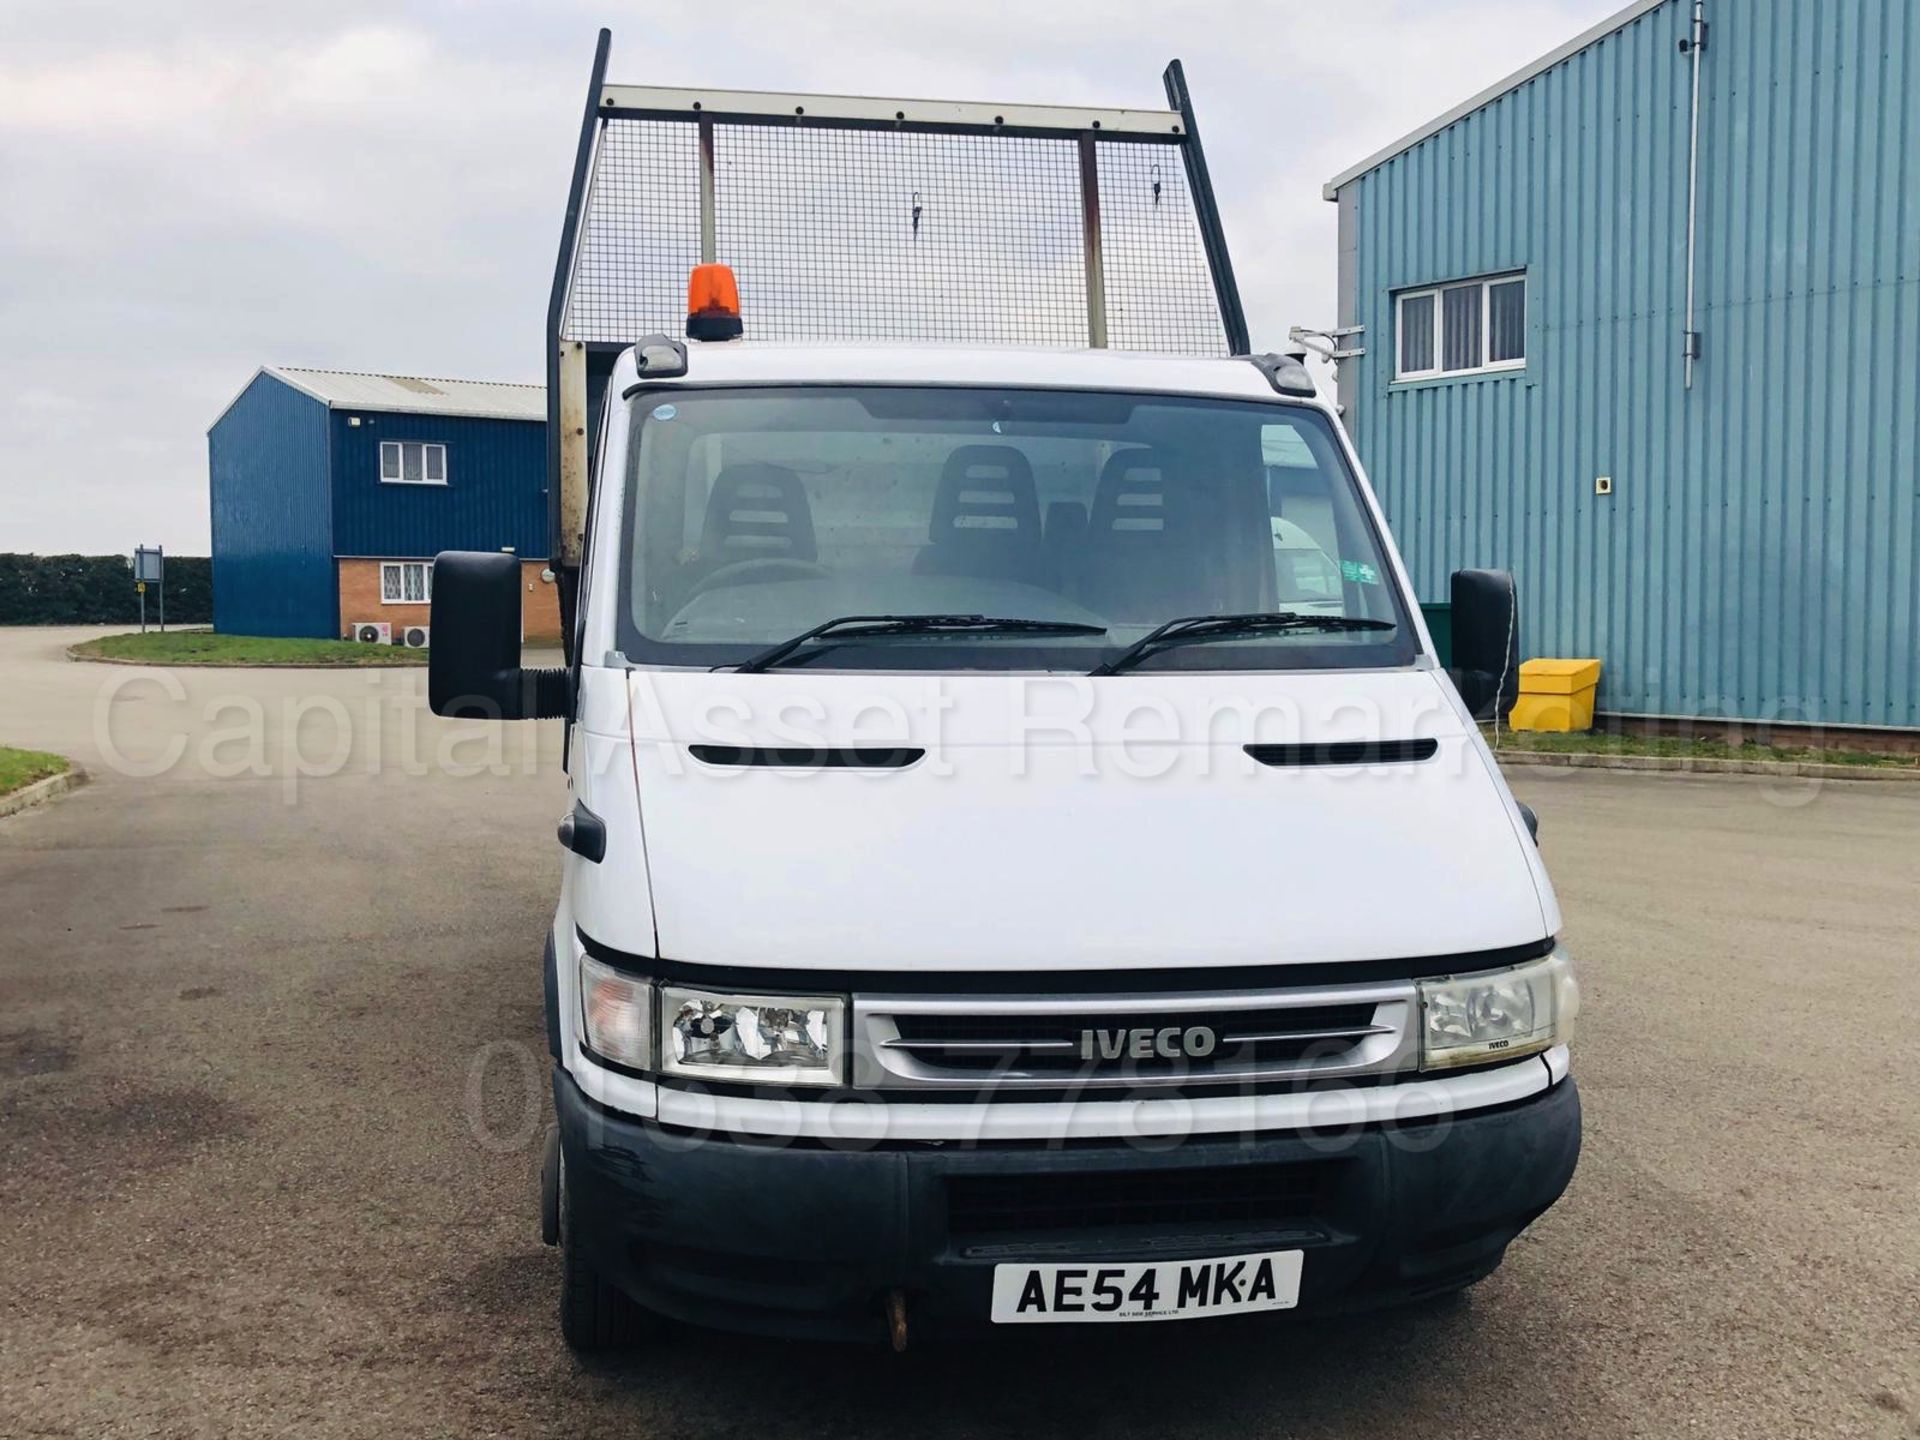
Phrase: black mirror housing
[1486,641]
[473,664]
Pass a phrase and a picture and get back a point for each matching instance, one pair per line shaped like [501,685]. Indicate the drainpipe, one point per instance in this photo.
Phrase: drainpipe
[1695,42]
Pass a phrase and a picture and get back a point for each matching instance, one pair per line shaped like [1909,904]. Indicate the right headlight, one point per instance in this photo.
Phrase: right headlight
[1498,1014]
[753,1039]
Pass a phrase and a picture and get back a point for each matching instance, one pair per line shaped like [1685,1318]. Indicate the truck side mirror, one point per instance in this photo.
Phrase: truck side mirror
[1486,641]
[473,664]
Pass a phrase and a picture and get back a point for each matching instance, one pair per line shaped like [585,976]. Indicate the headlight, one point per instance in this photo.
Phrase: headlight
[616,1014]
[766,1039]
[1467,1019]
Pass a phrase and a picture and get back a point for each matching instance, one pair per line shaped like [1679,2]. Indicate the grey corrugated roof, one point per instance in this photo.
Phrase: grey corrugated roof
[416,395]
[1619,20]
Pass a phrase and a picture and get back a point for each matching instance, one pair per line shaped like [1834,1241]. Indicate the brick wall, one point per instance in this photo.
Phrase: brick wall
[360,600]
[539,605]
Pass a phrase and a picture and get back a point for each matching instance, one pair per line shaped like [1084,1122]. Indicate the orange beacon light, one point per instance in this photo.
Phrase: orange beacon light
[713,304]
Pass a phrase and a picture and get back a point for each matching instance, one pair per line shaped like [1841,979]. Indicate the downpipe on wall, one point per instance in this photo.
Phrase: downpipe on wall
[1692,47]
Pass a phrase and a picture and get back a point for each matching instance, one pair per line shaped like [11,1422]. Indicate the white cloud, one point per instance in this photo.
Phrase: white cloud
[380,185]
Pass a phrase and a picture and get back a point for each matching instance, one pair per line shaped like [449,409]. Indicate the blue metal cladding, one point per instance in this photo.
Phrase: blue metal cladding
[495,496]
[273,570]
[1759,556]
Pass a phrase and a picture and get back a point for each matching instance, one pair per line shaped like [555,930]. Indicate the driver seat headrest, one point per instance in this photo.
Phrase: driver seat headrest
[757,512]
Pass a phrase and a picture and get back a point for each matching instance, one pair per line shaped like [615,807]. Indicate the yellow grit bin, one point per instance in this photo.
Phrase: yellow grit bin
[1556,695]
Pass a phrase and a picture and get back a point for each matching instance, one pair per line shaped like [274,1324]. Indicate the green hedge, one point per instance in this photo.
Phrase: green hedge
[98,590]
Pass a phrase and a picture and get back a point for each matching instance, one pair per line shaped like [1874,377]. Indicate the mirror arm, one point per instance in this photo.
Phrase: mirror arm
[549,692]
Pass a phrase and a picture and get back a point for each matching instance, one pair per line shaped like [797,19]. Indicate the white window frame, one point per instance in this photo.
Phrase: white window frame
[399,451]
[1438,370]
[400,581]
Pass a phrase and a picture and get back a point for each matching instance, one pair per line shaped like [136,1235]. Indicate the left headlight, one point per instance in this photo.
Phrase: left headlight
[1498,1014]
[769,1039]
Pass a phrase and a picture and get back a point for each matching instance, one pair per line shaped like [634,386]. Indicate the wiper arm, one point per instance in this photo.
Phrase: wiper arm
[853,626]
[1216,627]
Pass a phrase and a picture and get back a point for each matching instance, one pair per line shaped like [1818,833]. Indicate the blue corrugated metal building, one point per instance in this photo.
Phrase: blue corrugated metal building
[1721,508]
[331,491]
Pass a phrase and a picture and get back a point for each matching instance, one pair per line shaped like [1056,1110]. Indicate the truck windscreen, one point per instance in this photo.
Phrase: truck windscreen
[754,514]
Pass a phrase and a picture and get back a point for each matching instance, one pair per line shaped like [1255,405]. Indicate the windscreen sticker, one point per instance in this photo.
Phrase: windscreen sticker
[1359,572]
[665,412]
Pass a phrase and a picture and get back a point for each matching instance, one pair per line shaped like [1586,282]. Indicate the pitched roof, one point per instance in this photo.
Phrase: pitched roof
[1619,20]
[415,395]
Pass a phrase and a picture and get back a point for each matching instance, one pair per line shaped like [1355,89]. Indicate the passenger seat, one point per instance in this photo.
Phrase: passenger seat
[986,518]
[1142,551]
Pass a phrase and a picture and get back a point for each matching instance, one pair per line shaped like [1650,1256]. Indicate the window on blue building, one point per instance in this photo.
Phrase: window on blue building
[1416,334]
[406,582]
[1461,329]
[411,462]
[1462,337]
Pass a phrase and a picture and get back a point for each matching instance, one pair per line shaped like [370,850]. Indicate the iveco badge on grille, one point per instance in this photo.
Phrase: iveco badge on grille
[1169,1042]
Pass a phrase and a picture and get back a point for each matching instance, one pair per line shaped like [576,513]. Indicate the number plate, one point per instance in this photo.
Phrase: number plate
[1158,1290]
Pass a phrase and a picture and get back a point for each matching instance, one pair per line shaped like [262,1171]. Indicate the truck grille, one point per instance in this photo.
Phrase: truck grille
[1250,1196]
[1056,1044]
[1134,1040]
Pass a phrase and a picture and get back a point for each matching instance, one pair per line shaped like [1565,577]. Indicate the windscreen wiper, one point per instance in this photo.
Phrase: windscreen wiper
[853,626]
[1219,627]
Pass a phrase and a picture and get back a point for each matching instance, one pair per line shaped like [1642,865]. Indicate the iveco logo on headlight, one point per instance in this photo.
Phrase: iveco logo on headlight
[1167,1042]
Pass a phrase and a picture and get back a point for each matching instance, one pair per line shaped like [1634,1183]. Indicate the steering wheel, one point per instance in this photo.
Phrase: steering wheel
[759,572]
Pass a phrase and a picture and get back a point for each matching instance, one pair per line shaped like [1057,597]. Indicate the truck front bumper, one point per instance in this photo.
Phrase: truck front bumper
[808,1240]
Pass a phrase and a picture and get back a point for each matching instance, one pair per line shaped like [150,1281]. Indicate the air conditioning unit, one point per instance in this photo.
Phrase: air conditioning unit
[373,632]
[414,637]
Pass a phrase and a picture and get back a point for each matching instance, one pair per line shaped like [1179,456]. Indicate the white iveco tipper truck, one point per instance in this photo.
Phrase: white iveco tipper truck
[1024,863]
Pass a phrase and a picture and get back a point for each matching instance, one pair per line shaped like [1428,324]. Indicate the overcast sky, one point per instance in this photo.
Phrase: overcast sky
[194,190]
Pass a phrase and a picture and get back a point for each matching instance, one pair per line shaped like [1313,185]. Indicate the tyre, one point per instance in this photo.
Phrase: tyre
[594,1314]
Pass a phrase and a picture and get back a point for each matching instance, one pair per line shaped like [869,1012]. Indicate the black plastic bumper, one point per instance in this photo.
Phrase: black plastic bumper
[801,1240]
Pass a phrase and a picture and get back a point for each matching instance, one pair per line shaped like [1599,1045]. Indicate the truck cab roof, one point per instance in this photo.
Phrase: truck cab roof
[744,362]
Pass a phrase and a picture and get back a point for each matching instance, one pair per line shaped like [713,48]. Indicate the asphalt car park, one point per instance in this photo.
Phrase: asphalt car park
[272,1074]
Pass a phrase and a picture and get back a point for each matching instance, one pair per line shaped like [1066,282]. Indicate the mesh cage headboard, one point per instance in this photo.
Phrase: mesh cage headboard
[851,218]
[859,219]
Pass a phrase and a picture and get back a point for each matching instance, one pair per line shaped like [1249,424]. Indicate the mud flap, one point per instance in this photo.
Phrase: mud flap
[550,1187]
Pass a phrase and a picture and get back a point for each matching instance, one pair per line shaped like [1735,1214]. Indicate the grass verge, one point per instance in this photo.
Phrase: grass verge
[21,768]
[1597,742]
[203,647]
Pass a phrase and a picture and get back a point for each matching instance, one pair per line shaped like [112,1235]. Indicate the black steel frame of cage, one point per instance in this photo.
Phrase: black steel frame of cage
[577,367]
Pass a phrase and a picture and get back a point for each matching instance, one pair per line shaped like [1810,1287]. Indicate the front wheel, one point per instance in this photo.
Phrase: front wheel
[594,1314]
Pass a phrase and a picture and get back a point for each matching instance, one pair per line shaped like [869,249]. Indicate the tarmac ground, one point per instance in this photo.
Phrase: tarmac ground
[272,1075]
